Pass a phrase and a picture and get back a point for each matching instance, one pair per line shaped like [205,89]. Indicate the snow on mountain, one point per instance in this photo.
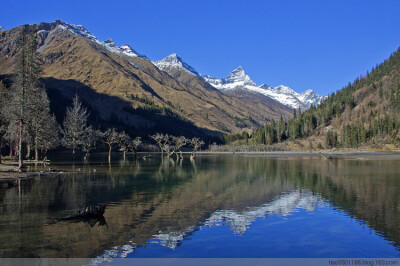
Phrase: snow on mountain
[175,61]
[238,79]
[284,205]
[108,44]
[2,29]
[309,97]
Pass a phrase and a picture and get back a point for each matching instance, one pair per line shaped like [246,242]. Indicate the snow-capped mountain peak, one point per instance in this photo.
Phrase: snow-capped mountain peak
[174,61]
[108,44]
[285,90]
[239,76]
[173,58]
[265,86]
[238,79]
[309,97]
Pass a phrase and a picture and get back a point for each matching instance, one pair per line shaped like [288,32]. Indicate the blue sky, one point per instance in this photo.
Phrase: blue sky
[319,45]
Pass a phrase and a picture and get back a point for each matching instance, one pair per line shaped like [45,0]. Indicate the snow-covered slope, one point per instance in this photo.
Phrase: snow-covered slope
[238,79]
[175,61]
[309,97]
[109,43]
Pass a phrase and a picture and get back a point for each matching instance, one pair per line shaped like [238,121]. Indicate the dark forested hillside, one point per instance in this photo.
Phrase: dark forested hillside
[364,113]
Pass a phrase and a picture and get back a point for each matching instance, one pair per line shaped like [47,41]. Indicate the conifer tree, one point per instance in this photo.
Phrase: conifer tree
[75,125]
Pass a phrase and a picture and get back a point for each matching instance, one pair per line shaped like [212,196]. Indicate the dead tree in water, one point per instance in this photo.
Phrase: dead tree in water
[123,142]
[91,139]
[134,144]
[179,143]
[164,141]
[159,138]
[196,143]
[110,137]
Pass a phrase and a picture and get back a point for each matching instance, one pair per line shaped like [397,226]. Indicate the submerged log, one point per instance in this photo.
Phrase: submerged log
[87,213]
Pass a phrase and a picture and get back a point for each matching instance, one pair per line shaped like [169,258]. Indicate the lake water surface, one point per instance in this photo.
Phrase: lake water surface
[218,206]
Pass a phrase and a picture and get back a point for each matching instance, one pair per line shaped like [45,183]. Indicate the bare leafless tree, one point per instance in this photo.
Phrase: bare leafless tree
[179,142]
[110,137]
[196,143]
[91,138]
[134,144]
[160,139]
[123,142]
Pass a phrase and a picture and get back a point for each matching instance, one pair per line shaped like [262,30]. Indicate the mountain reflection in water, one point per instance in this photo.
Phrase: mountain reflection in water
[163,202]
[239,222]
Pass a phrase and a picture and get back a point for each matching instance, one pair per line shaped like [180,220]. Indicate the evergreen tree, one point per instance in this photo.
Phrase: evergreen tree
[75,125]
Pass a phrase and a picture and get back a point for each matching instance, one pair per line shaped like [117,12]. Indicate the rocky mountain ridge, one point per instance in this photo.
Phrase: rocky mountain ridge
[238,80]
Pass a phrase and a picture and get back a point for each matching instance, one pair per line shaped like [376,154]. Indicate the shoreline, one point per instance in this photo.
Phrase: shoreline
[346,154]
[8,173]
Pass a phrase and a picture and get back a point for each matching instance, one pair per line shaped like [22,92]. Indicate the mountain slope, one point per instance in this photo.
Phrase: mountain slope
[253,104]
[122,86]
[366,113]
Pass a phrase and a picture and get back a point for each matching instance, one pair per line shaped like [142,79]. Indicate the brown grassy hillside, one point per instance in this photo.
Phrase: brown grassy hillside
[123,88]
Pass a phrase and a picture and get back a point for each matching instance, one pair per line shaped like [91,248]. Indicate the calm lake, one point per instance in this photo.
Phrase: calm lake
[228,206]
